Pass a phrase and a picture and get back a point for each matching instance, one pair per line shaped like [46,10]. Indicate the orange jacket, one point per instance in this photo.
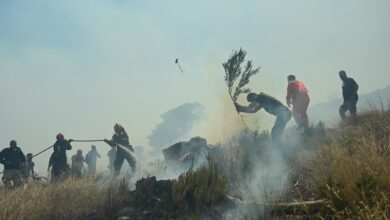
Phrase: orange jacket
[294,88]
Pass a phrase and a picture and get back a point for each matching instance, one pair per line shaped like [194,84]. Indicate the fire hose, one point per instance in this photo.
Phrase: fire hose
[48,148]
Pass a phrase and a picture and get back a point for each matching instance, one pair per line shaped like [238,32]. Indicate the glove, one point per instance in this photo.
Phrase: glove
[289,105]
[108,142]
[70,140]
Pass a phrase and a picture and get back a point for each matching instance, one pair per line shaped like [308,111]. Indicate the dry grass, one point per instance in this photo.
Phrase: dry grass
[69,199]
[353,170]
[349,167]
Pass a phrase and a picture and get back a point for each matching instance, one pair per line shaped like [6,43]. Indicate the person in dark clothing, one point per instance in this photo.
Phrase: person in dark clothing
[273,107]
[13,160]
[58,160]
[121,140]
[350,96]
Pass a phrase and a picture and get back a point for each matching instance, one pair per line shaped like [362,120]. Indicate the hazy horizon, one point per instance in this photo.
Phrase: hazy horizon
[79,67]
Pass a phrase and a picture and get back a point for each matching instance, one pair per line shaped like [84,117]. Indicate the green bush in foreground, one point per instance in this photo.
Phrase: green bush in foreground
[204,187]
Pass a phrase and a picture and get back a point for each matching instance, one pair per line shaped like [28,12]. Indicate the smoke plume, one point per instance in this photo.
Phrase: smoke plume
[176,124]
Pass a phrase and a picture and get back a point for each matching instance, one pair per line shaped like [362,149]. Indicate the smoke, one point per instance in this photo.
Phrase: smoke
[176,124]
[260,173]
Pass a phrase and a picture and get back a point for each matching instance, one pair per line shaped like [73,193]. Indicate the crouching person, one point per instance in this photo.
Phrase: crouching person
[13,159]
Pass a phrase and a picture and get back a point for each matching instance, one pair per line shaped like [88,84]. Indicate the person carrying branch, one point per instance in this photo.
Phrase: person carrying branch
[273,107]
[297,95]
[121,140]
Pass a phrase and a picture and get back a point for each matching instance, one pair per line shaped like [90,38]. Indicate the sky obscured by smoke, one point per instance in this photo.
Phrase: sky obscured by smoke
[78,67]
[176,125]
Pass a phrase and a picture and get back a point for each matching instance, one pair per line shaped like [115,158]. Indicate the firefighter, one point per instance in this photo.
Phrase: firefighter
[121,140]
[58,160]
[298,97]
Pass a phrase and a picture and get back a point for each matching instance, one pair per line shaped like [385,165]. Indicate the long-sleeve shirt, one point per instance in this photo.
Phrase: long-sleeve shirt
[350,88]
[122,139]
[12,158]
[60,147]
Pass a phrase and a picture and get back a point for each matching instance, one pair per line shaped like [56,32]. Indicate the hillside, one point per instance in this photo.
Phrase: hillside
[340,173]
[328,111]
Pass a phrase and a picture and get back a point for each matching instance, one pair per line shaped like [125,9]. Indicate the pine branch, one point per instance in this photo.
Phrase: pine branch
[233,72]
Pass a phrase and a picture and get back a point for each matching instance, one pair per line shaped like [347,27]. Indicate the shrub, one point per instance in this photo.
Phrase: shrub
[204,187]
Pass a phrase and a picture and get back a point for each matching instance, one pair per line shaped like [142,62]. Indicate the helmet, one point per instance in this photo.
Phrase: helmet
[118,127]
[60,136]
[13,143]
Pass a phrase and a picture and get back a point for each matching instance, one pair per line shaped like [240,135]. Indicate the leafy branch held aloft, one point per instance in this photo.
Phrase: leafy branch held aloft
[233,71]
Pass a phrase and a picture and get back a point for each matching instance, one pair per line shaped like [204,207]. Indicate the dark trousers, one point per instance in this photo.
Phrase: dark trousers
[282,118]
[120,157]
[59,171]
[348,105]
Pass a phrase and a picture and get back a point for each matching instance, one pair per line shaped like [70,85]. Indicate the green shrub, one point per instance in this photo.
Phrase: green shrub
[204,187]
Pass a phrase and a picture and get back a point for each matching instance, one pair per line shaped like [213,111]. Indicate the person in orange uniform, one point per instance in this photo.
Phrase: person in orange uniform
[297,95]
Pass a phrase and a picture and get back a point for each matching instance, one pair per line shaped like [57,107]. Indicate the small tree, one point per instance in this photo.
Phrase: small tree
[233,72]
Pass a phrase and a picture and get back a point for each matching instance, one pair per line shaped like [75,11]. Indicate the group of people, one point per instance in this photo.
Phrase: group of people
[298,98]
[78,161]
[18,167]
